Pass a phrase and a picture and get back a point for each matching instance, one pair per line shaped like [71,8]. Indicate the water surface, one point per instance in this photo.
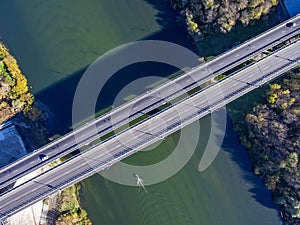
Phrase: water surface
[54,42]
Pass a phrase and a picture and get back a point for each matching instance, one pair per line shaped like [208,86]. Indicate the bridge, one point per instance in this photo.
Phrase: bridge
[191,109]
[148,101]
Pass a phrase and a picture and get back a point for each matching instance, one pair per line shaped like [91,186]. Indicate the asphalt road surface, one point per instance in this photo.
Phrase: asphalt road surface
[132,140]
[122,115]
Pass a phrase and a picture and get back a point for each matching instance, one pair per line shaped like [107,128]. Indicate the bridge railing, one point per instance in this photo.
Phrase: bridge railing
[90,170]
[95,120]
[190,96]
[259,36]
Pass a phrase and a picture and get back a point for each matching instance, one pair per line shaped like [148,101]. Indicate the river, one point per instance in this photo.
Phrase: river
[54,42]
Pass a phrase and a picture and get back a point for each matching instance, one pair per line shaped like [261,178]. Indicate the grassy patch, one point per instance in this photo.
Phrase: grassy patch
[70,209]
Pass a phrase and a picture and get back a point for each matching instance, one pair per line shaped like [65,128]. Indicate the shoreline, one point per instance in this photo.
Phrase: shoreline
[268,134]
[288,206]
[31,119]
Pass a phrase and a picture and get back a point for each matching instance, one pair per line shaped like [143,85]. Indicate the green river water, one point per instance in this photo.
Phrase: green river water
[54,41]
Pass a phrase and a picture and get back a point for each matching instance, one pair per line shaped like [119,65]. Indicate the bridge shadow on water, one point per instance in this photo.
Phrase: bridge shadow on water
[59,96]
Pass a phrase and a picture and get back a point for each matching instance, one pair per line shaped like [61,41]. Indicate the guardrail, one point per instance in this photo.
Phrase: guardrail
[172,128]
[53,143]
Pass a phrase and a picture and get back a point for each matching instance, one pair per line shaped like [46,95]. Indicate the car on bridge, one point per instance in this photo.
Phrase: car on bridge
[43,157]
[291,24]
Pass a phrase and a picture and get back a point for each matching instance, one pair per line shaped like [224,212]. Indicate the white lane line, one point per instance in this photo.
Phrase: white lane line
[17,198]
[67,172]
[31,162]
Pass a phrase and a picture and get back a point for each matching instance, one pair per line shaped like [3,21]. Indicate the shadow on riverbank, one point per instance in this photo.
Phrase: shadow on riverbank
[239,155]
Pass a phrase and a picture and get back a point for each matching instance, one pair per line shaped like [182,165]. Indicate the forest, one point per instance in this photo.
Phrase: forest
[271,133]
[220,16]
[14,92]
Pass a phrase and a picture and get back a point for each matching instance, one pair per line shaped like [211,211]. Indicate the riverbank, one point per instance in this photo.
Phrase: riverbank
[271,131]
[69,207]
[215,26]
[19,105]
[14,92]
[74,35]
[271,134]
[31,120]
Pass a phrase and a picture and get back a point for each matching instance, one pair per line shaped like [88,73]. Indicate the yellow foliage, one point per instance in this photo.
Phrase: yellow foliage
[13,68]
[286,92]
[3,51]
[292,100]
[272,98]
[17,94]
[27,97]
[284,105]
[275,86]
[3,104]
[274,2]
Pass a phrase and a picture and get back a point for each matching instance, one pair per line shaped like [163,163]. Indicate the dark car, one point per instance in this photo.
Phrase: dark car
[291,24]
[43,157]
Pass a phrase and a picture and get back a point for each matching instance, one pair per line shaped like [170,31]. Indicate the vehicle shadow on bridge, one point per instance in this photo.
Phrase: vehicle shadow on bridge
[240,155]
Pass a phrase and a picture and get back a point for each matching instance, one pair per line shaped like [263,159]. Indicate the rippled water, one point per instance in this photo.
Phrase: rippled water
[54,41]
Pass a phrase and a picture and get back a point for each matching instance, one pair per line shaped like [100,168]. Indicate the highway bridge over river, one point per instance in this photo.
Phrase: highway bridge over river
[121,145]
